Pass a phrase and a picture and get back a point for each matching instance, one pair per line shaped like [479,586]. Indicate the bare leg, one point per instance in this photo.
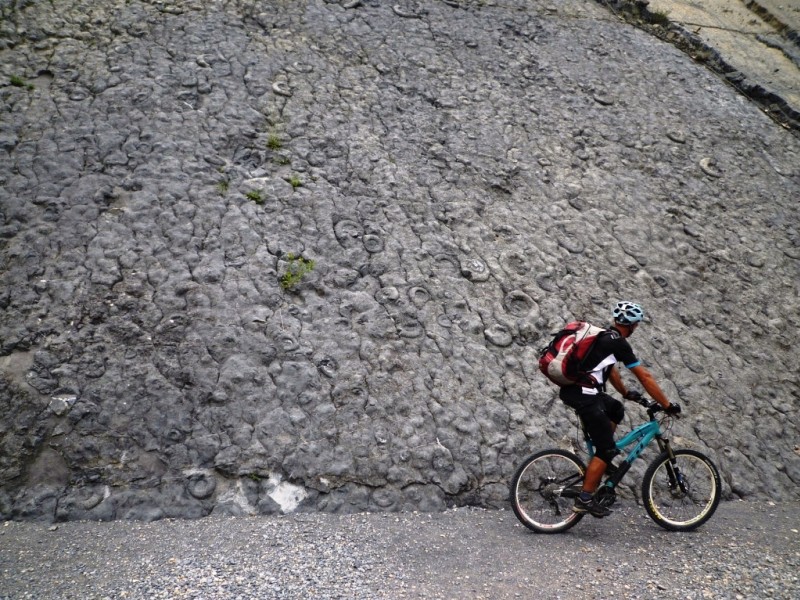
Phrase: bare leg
[595,470]
[594,473]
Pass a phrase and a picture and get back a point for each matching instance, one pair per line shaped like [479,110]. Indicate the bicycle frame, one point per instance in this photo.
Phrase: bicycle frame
[639,437]
[545,481]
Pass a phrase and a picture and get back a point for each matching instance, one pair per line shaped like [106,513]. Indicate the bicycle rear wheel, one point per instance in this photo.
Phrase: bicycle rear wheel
[684,496]
[544,488]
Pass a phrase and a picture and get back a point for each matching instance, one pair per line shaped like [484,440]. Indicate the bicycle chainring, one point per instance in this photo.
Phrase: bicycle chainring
[605,496]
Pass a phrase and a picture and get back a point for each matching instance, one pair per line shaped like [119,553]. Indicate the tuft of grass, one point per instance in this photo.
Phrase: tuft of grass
[295,182]
[274,142]
[18,81]
[255,196]
[297,267]
[659,17]
[222,186]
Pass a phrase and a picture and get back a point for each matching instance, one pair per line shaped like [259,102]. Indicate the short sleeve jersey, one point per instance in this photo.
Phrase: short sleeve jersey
[609,349]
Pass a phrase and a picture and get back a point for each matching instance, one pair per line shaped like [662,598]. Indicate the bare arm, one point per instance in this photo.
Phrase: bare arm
[648,383]
[616,380]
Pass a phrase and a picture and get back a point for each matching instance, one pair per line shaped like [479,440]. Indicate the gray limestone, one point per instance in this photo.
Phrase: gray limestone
[260,257]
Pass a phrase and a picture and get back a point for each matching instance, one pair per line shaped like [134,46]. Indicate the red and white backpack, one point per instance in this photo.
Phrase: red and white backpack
[562,360]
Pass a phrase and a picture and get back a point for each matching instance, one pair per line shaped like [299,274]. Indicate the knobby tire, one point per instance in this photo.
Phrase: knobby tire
[677,507]
[543,490]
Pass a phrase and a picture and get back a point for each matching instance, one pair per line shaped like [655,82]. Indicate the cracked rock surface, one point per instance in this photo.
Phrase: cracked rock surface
[260,257]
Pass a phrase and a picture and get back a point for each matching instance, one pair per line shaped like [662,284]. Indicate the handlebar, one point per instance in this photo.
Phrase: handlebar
[652,407]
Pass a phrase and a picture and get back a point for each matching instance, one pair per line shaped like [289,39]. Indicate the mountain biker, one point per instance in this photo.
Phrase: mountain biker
[600,412]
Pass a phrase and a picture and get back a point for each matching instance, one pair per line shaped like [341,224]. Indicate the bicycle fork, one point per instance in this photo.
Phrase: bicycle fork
[674,475]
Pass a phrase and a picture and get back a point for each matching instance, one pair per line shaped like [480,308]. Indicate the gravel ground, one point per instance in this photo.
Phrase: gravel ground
[748,550]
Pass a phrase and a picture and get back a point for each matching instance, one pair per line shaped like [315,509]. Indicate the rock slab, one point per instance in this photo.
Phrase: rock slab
[261,257]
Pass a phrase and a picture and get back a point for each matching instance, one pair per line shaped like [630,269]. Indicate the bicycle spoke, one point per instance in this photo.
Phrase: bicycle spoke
[684,495]
[544,489]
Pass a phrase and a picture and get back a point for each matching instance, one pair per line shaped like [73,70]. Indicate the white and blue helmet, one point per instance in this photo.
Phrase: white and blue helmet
[627,313]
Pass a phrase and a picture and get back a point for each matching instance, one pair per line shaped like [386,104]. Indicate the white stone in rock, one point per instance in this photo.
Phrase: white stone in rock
[287,495]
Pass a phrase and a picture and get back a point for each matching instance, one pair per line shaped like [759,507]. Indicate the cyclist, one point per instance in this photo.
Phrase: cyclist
[601,413]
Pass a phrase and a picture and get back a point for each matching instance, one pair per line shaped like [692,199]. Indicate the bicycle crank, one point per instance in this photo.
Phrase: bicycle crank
[605,496]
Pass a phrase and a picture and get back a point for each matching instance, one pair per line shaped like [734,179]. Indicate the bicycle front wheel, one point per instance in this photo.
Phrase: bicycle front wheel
[544,488]
[683,495]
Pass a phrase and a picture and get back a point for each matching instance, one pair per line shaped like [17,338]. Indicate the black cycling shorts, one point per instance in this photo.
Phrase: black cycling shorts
[598,412]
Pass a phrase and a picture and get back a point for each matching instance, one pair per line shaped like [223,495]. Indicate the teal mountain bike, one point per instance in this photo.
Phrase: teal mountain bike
[680,488]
